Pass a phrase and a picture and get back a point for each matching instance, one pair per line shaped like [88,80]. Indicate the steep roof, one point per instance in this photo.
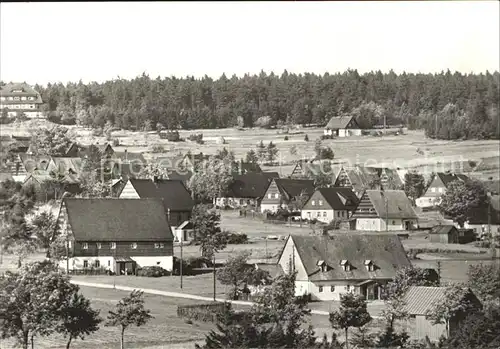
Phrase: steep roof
[118,219]
[26,90]
[246,167]
[31,162]
[442,229]
[384,250]
[67,164]
[251,185]
[393,204]
[173,192]
[447,178]
[420,299]
[361,177]
[294,187]
[339,122]
[340,198]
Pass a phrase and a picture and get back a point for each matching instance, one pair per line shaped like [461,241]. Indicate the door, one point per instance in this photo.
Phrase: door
[121,268]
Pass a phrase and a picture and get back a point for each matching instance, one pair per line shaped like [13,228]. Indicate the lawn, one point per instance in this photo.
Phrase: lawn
[165,330]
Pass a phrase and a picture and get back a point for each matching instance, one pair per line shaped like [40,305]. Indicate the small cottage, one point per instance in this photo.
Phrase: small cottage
[286,193]
[342,126]
[327,204]
[437,188]
[445,234]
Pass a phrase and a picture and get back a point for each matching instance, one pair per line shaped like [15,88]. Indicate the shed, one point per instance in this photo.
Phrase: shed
[446,234]
[421,299]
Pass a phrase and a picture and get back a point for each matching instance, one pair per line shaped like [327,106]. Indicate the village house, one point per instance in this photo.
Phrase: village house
[381,210]
[419,300]
[24,164]
[360,178]
[246,190]
[330,265]
[115,235]
[177,200]
[485,219]
[286,193]
[327,204]
[304,168]
[445,234]
[437,188]
[342,126]
[20,97]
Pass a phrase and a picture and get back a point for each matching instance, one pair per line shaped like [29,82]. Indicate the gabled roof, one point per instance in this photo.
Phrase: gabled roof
[442,229]
[246,167]
[118,219]
[391,204]
[173,192]
[384,250]
[66,164]
[420,299]
[339,122]
[32,162]
[251,185]
[184,176]
[340,198]
[447,178]
[294,187]
[361,177]
[26,90]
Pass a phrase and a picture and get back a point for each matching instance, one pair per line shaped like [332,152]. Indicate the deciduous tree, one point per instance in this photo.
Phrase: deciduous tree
[414,185]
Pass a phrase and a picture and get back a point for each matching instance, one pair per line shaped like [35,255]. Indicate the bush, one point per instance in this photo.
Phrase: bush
[115,142]
[197,137]
[286,138]
[237,238]
[171,136]
[206,312]
[326,153]
[306,138]
[152,271]
[158,149]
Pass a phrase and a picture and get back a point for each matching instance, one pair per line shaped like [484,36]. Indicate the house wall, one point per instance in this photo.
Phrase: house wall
[349,132]
[483,228]
[272,200]
[326,294]
[436,188]
[427,201]
[289,257]
[166,262]
[325,215]
[442,238]
[379,224]
[108,262]
[123,249]
[235,202]
[129,192]
[424,327]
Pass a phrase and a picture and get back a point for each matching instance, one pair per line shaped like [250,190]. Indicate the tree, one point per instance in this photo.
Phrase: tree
[44,228]
[414,185]
[32,302]
[78,319]
[261,151]
[129,311]
[93,187]
[293,150]
[211,181]
[479,330]
[251,157]
[207,231]
[462,198]
[456,303]
[237,272]
[53,142]
[352,313]
[484,280]
[272,152]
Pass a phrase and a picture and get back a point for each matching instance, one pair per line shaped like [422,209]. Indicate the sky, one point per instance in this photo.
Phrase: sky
[91,41]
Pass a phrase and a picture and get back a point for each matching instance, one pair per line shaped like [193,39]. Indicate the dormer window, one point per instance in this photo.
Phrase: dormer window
[323,267]
[345,265]
[313,203]
[369,265]
[320,202]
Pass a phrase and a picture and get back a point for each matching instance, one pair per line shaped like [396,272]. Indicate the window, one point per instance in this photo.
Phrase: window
[85,246]
[133,245]
[112,245]
[320,288]
[320,202]
[343,214]
[433,190]
[332,288]
[162,245]
[324,213]
[338,213]
[269,196]
[309,215]
[393,222]
[99,245]
[241,201]
[2,98]
[23,98]
[157,245]
[158,263]
[313,203]
[16,98]
[318,214]
[440,190]
[109,263]
[276,196]
[97,263]
[85,264]
[347,288]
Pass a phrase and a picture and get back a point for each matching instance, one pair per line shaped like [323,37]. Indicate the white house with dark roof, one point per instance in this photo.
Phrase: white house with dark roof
[330,265]
[327,204]
[437,188]
[342,126]
[381,210]
[115,235]
[20,97]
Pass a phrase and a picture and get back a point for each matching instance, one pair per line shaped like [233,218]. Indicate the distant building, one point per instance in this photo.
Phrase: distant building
[342,126]
[437,188]
[327,204]
[116,235]
[385,210]
[484,218]
[20,97]
[419,300]
[361,178]
[286,193]
[328,266]
[445,234]
[246,190]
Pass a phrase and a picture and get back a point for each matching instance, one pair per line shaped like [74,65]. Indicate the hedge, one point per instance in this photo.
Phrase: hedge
[206,312]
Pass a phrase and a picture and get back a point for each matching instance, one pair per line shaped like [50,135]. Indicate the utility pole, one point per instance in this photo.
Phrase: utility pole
[439,272]
[215,290]
[385,116]
[435,126]
[181,261]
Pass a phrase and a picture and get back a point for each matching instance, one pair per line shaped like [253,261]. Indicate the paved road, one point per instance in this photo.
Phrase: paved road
[172,294]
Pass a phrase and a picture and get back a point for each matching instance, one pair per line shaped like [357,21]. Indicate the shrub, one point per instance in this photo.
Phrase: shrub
[171,136]
[206,312]
[197,137]
[237,238]
[306,138]
[152,271]
[115,142]
[158,149]
[286,138]
[326,153]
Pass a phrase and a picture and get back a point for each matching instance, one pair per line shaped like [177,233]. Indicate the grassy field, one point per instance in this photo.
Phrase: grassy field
[409,150]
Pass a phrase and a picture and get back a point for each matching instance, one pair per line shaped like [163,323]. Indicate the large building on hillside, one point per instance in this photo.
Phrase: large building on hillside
[20,97]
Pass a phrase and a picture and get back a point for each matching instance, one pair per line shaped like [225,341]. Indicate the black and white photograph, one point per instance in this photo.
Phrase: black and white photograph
[250,175]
